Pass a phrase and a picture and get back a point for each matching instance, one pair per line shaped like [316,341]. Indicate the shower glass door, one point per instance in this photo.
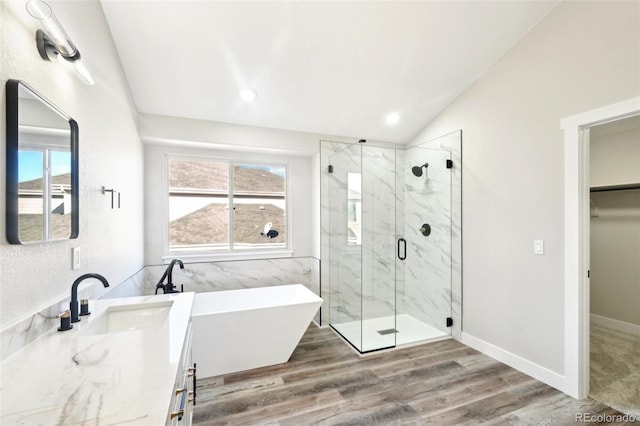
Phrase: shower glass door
[362,245]
[378,248]
[345,242]
[423,220]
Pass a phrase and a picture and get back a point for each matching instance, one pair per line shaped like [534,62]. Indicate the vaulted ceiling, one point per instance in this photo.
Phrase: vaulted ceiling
[330,67]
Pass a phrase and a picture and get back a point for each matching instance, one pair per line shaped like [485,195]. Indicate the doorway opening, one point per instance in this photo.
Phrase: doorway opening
[577,238]
[614,279]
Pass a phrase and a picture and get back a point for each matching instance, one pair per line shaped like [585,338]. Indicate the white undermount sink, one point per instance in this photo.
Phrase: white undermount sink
[130,317]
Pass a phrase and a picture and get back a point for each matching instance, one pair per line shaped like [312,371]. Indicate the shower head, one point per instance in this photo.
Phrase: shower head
[417,170]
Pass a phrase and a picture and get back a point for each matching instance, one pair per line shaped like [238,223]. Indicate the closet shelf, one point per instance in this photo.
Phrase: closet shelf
[614,187]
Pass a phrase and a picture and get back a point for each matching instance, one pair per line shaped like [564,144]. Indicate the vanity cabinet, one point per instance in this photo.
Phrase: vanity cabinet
[184,392]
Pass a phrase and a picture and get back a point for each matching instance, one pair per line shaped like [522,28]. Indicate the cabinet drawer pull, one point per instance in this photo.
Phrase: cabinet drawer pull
[176,413]
[179,391]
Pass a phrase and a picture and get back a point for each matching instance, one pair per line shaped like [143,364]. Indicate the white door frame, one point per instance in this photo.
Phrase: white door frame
[576,239]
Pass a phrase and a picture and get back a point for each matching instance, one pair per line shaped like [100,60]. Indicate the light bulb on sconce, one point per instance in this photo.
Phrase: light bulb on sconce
[53,42]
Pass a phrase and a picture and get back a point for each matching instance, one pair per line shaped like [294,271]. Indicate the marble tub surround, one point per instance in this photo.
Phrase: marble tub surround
[76,377]
[233,275]
[28,329]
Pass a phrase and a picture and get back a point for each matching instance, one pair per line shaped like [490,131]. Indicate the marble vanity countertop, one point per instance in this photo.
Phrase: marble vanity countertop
[80,377]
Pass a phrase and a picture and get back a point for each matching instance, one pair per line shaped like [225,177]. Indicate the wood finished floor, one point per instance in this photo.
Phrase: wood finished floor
[441,383]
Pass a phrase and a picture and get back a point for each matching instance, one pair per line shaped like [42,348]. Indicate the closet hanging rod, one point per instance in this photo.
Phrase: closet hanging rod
[614,187]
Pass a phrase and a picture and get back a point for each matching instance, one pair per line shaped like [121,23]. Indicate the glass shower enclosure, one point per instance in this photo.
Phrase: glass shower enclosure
[389,244]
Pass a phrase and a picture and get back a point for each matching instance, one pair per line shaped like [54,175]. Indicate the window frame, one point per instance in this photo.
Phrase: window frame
[230,252]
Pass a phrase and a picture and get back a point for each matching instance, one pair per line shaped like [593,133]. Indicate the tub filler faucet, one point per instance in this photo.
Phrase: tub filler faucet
[169,287]
[74,293]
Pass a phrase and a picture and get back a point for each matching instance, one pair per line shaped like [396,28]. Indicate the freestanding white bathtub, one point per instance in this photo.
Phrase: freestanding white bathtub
[237,330]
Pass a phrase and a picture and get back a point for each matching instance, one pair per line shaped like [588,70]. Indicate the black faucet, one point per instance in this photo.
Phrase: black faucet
[74,293]
[168,274]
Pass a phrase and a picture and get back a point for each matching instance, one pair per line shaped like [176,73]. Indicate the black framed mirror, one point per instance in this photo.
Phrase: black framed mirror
[42,168]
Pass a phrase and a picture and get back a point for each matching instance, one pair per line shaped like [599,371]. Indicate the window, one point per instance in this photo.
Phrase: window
[218,206]
[44,193]
[354,209]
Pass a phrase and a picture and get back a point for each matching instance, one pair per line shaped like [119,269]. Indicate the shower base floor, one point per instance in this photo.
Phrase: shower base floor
[378,333]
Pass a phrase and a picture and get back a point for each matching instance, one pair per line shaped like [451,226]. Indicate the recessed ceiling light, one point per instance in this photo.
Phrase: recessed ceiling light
[392,118]
[248,94]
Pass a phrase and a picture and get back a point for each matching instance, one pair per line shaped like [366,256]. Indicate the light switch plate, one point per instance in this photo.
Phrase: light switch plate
[75,258]
[538,246]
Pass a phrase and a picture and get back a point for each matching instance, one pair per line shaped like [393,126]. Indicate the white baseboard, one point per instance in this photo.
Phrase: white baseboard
[534,370]
[625,327]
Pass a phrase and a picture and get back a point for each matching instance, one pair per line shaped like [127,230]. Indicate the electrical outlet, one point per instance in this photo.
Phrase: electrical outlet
[75,258]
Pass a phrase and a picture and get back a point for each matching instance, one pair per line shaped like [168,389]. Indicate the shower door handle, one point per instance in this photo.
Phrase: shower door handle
[404,246]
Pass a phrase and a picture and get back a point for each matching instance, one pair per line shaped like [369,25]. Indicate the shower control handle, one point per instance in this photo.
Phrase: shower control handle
[403,242]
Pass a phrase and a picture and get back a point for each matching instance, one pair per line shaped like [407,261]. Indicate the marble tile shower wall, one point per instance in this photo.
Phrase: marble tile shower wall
[25,331]
[378,233]
[428,262]
[452,143]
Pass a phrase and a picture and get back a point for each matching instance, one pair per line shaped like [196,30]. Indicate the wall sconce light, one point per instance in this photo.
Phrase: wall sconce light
[53,42]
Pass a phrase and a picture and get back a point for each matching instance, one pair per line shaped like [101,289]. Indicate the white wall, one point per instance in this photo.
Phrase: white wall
[171,135]
[615,158]
[615,250]
[111,241]
[581,56]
